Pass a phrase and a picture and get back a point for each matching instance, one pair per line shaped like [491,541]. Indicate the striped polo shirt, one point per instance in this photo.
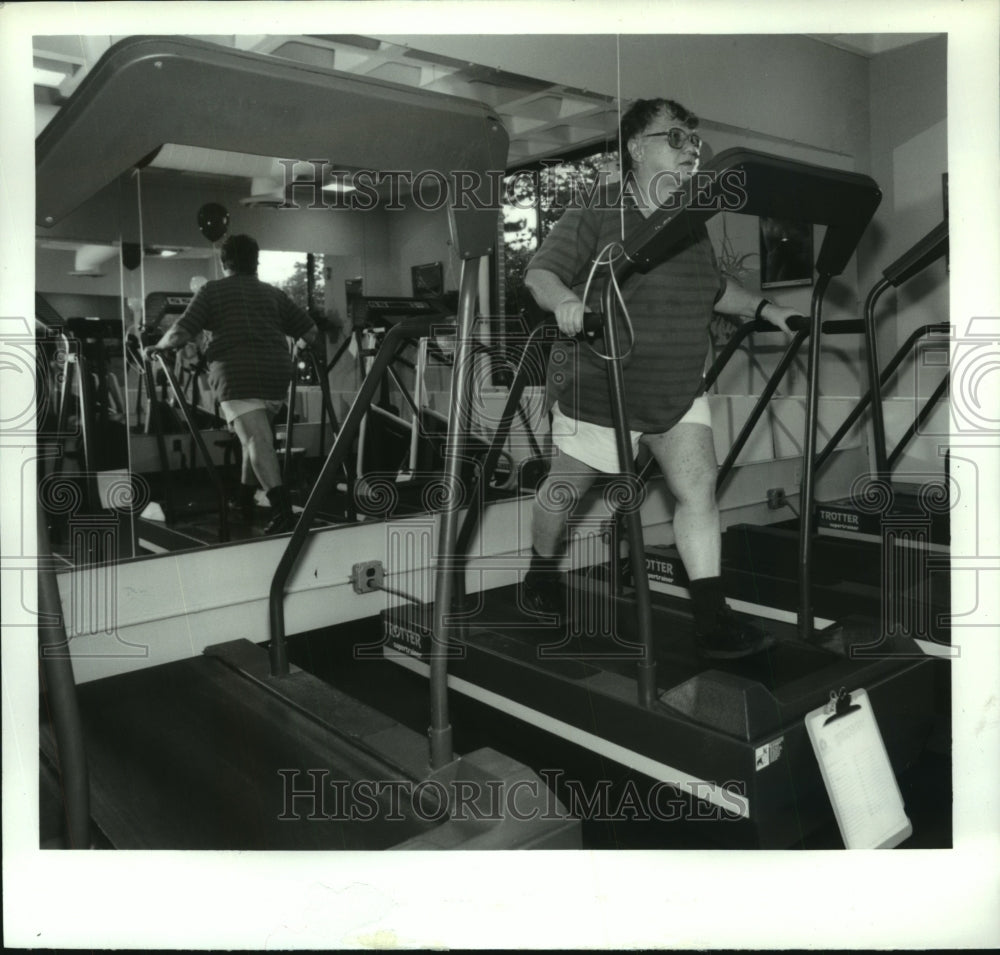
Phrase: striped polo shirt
[248,320]
[670,307]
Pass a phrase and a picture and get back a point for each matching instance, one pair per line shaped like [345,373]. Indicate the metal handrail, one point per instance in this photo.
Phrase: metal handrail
[439,733]
[78,361]
[213,472]
[154,423]
[521,380]
[760,405]
[745,330]
[328,367]
[878,420]
[60,691]
[326,406]
[406,329]
[928,250]
[807,487]
[801,326]
[866,399]
[327,403]
[286,454]
[646,667]
[921,417]
[543,334]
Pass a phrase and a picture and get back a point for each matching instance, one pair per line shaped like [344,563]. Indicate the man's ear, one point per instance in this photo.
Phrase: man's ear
[634,147]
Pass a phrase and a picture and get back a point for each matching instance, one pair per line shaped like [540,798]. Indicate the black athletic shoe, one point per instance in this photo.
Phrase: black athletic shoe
[732,638]
[543,597]
[281,523]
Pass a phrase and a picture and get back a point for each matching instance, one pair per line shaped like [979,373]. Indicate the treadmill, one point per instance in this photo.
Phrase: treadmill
[622,678]
[877,547]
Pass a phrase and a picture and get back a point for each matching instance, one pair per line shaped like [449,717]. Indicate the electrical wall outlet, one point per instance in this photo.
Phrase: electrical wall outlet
[776,498]
[368,576]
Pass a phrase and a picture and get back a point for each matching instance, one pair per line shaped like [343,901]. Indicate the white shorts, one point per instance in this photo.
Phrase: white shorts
[231,410]
[594,444]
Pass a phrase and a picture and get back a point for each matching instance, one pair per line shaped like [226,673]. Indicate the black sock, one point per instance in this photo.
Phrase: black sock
[708,600]
[543,569]
[280,499]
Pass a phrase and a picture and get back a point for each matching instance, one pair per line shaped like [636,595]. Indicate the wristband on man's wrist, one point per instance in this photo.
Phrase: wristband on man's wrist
[760,309]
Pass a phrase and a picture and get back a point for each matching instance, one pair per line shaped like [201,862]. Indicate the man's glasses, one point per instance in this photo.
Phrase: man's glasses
[678,138]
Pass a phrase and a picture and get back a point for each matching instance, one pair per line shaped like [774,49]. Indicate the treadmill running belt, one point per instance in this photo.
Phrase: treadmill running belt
[509,651]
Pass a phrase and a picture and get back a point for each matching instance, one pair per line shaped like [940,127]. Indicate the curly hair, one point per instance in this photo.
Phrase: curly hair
[641,113]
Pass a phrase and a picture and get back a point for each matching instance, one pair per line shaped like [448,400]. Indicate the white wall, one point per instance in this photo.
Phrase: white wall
[354,243]
[909,151]
[788,87]
[53,268]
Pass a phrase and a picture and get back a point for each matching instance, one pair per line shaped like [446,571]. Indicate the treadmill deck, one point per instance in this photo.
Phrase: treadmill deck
[730,733]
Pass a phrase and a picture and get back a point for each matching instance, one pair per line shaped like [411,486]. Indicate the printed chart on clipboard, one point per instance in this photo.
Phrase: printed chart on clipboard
[859,779]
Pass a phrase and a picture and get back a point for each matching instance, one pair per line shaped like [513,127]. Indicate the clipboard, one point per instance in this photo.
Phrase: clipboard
[857,773]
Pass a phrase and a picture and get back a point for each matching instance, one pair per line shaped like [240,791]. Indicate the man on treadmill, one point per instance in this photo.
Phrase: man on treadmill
[249,365]
[669,308]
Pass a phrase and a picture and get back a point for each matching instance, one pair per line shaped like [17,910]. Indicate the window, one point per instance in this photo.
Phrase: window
[535,198]
[301,277]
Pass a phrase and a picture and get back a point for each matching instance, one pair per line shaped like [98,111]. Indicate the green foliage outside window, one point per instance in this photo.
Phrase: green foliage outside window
[537,198]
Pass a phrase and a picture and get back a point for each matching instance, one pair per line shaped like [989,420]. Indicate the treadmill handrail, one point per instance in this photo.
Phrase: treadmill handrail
[770,386]
[492,457]
[60,693]
[756,183]
[865,400]
[213,472]
[88,433]
[406,329]
[922,415]
[922,254]
[545,331]
[798,324]
[801,326]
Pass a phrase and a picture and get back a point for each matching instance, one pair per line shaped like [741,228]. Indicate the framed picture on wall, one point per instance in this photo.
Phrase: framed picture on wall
[786,253]
[428,280]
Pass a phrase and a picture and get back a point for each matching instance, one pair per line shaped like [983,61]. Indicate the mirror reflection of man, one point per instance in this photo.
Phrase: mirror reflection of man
[249,365]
